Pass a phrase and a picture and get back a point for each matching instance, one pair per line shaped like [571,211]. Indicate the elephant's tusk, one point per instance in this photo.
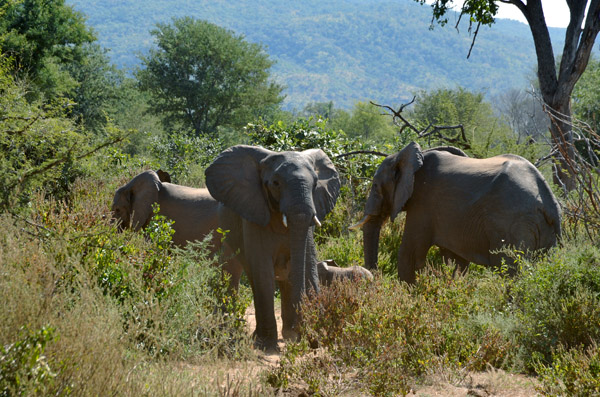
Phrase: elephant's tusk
[316,221]
[284,220]
[360,224]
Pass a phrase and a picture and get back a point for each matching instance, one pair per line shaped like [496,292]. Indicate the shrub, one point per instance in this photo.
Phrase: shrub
[393,334]
[23,367]
[572,372]
[557,301]
[113,301]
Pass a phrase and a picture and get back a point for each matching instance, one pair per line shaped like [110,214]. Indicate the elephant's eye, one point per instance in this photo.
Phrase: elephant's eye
[276,183]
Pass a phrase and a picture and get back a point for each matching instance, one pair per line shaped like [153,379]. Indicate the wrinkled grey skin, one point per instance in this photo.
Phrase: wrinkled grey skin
[261,190]
[194,211]
[467,207]
[329,271]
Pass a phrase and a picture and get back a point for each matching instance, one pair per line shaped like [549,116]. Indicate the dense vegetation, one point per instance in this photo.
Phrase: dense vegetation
[340,51]
[89,310]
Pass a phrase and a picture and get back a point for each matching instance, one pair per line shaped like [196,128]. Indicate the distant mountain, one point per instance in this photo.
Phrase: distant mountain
[339,50]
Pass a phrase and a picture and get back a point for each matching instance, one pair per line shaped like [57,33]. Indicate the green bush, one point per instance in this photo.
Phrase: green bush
[24,369]
[117,300]
[393,334]
[572,372]
[557,301]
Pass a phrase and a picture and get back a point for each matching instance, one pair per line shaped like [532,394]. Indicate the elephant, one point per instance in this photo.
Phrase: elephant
[470,208]
[193,210]
[329,271]
[271,203]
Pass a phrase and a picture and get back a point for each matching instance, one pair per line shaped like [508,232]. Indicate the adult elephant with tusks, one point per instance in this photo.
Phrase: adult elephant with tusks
[271,203]
[470,208]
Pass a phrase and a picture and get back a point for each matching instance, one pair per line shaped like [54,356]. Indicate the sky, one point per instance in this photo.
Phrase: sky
[555,11]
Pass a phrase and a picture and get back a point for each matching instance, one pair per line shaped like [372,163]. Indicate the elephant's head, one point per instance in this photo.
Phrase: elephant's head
[391,188]
[286,191]
[132,204]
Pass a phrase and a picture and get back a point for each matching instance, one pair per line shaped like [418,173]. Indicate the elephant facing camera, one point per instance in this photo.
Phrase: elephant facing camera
[271,203]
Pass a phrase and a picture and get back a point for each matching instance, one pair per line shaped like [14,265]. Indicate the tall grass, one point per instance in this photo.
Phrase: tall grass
[90,311]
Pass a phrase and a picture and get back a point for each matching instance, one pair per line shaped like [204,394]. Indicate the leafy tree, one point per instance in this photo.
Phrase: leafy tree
[556,86]
[586,96]
[40,148]
[366,121]
[203,76]
[97,92]
[43,37]
[487,135]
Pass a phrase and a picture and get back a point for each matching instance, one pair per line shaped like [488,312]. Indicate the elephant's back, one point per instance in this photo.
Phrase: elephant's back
[193,210]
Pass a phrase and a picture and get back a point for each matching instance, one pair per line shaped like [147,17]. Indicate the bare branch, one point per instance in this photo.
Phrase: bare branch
[474,38]
[425,133]
[361,152]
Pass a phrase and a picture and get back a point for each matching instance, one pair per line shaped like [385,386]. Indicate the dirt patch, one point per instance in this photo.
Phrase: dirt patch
[493,382]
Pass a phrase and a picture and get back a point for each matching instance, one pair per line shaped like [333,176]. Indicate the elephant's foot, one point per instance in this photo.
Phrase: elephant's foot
[268,343]
[290,334]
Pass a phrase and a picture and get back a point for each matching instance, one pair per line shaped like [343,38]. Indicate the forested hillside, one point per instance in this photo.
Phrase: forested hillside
[340,51]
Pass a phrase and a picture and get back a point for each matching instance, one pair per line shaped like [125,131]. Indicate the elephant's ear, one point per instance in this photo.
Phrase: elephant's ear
[328,183]
[163,176]
[233,178]
[143,193]
[407,162]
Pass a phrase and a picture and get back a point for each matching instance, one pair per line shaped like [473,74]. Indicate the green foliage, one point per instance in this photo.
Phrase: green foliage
[115,299]
[391,333]
[573,372]
[486,134]
[23,367]
[39,147]
[32,138]
[557,301]
[315,61]
[586,96]
[97,92]
[185,157]
[365,122]
[44,38]
[202,77]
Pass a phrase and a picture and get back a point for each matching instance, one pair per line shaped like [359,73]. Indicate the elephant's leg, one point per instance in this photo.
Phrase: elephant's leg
[287,311]
[416,241]
[263,290]
[232,266]
[260,269]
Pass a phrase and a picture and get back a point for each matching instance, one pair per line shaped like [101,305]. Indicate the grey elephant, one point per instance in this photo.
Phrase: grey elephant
[271,203]
[470,208]
[329,271]
[194,211]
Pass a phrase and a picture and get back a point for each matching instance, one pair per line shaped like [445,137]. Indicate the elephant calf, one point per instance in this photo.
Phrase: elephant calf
[330,271]
[194,211]
[469,208]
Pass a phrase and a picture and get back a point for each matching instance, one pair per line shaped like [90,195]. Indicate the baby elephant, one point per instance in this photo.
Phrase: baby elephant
[329,271]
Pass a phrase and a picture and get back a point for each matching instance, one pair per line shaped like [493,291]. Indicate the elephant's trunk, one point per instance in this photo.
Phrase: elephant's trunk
[371,229]
[300,258]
